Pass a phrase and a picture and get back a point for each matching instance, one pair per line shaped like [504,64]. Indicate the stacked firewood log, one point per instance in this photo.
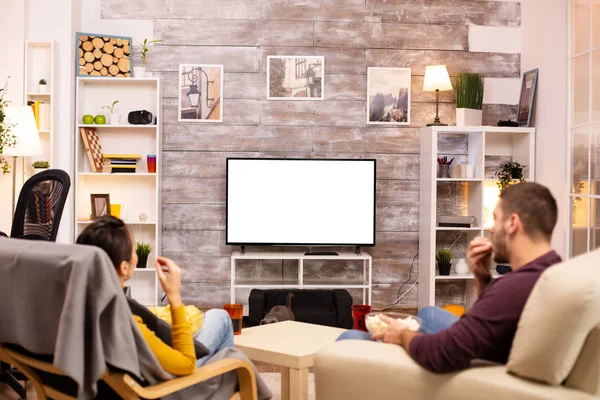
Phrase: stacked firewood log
[104,56]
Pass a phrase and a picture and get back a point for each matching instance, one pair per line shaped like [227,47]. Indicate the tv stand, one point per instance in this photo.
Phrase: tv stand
[299,281]
[321,253]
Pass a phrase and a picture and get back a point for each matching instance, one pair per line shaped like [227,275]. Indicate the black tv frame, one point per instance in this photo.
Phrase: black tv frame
[357,245]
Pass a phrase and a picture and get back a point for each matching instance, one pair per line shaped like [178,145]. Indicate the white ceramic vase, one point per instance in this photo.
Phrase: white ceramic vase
[461,267]
[38,170]
[468,117]
[42,88]
[115,119]
[139,72]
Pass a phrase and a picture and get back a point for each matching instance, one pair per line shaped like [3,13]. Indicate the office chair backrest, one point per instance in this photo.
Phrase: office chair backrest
[40,206]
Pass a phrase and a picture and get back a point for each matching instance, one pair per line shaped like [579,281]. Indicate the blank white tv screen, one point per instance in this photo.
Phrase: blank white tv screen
[300,202]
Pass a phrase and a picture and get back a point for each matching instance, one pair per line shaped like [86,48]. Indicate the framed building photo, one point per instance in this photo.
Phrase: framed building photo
[295,77]
[388,96]
[200,93]
[528,86]
[100,205]
[103,55]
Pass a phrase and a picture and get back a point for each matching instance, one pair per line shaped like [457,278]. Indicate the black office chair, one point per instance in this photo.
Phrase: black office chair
[40,206]
[37,217]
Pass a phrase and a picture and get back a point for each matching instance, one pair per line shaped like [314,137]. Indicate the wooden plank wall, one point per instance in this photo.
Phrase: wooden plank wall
[352,35]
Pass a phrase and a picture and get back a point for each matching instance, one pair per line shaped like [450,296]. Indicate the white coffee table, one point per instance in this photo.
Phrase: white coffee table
[291,345]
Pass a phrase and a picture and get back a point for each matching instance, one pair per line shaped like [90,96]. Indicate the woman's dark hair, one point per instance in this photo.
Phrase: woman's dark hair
[111,235]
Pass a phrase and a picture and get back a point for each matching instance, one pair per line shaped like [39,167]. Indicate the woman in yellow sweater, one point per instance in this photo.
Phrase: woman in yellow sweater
[180,357]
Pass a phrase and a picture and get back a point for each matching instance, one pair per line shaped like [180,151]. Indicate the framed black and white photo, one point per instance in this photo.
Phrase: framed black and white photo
[528,86]
[295,77]
[200,93]
[388,96]
[100,205]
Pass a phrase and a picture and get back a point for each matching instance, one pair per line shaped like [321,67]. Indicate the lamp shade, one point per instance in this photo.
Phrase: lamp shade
[436,78]
[25,131]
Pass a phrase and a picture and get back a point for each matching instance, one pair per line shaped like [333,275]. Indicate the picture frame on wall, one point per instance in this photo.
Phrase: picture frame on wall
[200,93]
[388,96]
[527,97]
[295,78]
[103,55]
[100,205]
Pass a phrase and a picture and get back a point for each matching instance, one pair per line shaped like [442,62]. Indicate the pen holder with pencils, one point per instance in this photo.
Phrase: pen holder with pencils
[444,171]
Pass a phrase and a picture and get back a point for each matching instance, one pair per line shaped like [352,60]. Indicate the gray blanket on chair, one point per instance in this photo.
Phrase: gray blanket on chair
[66,300]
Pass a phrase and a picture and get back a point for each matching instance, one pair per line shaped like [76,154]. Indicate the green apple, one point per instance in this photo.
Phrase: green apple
[100,119]
[88,119]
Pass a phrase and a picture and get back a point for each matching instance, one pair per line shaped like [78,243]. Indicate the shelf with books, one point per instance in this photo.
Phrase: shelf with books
[99,149]
[39,67]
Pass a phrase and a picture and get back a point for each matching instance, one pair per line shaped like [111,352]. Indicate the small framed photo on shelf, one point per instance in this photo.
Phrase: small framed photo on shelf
[100,205]
[528,86]
[388,96]
[295,77]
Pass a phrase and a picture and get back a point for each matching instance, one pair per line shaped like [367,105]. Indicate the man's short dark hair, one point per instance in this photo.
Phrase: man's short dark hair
[111,235]
[535,206]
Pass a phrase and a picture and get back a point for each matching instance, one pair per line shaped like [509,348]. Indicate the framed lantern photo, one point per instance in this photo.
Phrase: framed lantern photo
[200,91]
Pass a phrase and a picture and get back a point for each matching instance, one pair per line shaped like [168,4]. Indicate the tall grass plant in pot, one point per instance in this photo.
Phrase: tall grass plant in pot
[468,89]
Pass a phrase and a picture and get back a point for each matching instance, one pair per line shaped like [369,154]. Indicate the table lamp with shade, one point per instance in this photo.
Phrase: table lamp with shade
[27,139]
[436,79]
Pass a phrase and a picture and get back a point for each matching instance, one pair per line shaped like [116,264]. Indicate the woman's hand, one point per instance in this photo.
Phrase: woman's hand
[169,275]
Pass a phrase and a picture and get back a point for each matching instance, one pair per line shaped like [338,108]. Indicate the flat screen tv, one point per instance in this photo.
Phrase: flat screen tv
[300,202]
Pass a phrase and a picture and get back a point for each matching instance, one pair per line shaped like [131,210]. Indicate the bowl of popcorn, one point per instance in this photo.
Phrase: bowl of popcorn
[376,325]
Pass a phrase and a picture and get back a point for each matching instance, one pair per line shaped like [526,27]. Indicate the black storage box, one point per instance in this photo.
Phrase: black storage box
[321,307]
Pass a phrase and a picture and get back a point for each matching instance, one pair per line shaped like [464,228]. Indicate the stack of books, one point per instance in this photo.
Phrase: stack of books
[120,163]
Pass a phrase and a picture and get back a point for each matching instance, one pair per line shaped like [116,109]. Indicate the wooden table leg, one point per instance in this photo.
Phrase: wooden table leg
[285,383]
[299,384]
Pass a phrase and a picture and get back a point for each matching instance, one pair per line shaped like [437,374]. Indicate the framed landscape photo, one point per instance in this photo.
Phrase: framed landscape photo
[200,91]
[528,86]
[388,96]
[103,55]
[295,77]
[100,205]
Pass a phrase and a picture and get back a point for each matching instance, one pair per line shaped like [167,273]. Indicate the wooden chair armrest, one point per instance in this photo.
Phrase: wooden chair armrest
[246,377]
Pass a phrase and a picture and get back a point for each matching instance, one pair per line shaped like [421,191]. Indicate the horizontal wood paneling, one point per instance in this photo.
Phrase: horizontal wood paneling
[462,12]
[199,9]
[391,36]
[352,35]
[491,65]
[234,59]
[313,113]
[313,10]
[188,137]
[219,32]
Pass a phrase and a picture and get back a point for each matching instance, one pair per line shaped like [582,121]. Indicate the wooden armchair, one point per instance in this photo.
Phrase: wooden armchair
[124,385]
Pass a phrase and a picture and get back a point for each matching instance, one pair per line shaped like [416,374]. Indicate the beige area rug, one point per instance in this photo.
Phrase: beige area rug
[273,380]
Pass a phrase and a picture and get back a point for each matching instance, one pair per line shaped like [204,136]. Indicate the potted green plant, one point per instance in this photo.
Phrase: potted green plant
[42,87]
[115,117]
[443,258]
[468,89]
[509,172]
[40,166]
[7,138]
[142,250]
[141,70]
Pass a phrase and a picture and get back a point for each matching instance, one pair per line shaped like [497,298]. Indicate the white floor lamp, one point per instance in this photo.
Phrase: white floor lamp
[27,138]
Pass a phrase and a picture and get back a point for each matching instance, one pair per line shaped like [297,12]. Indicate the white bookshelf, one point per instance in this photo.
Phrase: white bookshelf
[39,63]
[481,193]
[137,193]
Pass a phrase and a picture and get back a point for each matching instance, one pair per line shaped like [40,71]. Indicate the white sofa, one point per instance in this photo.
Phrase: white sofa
[555,354]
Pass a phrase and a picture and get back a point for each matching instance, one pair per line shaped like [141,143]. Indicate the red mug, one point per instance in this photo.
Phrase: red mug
[359,311]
